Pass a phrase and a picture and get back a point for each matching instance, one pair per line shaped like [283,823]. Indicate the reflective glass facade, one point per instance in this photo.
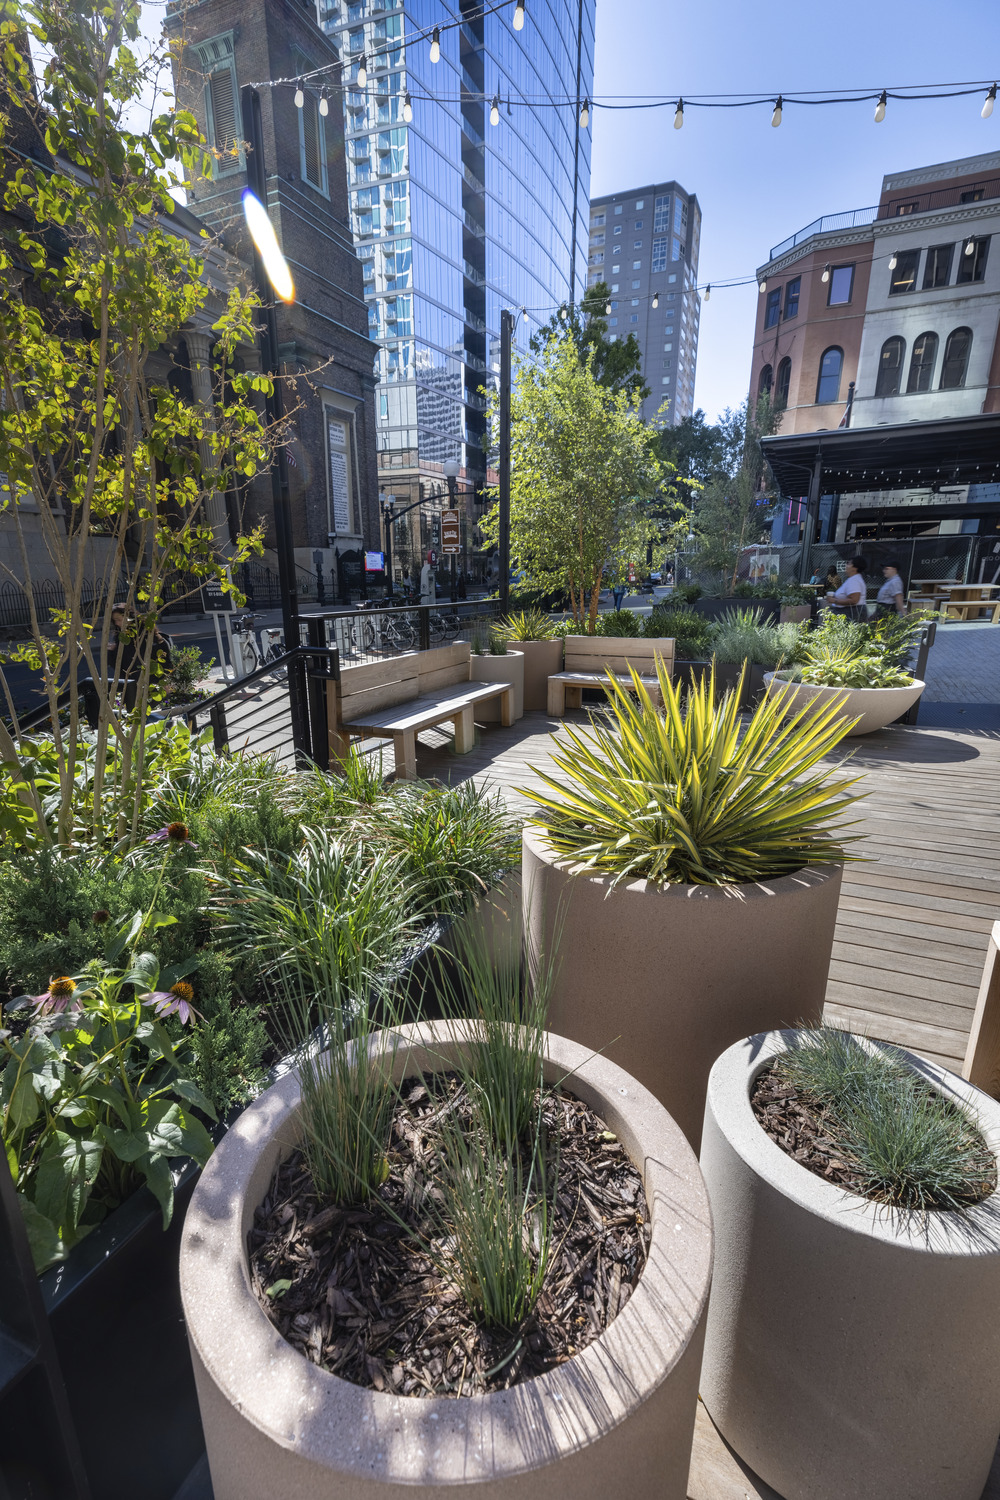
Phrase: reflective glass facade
[455,218]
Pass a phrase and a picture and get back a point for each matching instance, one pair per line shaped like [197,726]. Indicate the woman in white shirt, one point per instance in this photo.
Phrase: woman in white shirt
[889,599]
[850,598]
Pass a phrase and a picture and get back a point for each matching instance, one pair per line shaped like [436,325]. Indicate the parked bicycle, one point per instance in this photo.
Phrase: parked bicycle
[254,651]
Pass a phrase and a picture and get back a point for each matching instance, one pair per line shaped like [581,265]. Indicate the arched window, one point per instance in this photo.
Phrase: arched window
[956,359]
[890,367]
[830,370]
[781,385]
[922,362]
[764,383]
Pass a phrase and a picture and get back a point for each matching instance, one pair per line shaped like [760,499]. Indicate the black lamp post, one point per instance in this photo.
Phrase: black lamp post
[451,469]
[388,516]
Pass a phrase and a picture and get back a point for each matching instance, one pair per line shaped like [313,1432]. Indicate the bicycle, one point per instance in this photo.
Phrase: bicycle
[254,653]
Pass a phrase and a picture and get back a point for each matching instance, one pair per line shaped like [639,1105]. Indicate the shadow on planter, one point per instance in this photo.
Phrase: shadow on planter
[727,678]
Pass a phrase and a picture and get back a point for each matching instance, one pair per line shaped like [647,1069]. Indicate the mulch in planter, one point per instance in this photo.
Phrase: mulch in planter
[799,1125]
[366,1302]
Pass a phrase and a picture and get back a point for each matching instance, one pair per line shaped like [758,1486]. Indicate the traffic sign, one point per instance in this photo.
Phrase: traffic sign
[451,533]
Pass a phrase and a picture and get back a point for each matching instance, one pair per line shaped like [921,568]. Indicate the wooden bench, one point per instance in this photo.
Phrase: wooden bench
[589,658]
[402,695]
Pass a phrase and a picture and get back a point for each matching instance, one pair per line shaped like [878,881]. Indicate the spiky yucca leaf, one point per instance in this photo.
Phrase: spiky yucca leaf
[691,796]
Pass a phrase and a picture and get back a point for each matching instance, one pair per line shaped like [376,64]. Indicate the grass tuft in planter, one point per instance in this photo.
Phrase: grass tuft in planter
[901,1141]
[688,795]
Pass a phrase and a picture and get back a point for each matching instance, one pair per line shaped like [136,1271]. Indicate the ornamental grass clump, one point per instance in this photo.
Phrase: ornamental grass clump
[907,1144]
[527,625]
[689,794]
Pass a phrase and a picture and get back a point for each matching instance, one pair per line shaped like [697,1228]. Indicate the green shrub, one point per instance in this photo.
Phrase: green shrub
[528,625]
[691,633]
[686,593]
[619,622]
[689,796]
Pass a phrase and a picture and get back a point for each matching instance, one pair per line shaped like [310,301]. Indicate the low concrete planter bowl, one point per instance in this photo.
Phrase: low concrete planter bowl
[850,1351]
[620,1414]
[665,978]
[506,668]
[877,707]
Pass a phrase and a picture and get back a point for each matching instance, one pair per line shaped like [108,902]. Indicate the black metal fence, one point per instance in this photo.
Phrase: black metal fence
[48,595]
[379,630]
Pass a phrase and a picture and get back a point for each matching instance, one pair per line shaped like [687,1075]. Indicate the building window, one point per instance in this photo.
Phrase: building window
[597,258]
[922,362]
[637,265]
[613,322]
[312,144]
[764,383]
[841,286]
[618,229]
[972,263]
[937,267]
[677,249]
[890,367]
[633,317]
[668,348]
[792,291]
[903,276]
[637,244]
[773,309]
[660,254]
[661,215]
[638,223]
[597,239]
[598,219]
[781,385]
[614,286]
[618,208]
[665,380]
[830,370]
[902,209]
[614,307]
[972,195]
[222,117]
[956,359]
[634,301]
[640,203]
[680,216]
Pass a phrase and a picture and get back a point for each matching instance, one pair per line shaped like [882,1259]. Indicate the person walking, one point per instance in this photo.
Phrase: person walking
[849,599]
[889,600]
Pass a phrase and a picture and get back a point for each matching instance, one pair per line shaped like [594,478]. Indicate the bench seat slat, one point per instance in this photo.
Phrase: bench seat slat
[424,712]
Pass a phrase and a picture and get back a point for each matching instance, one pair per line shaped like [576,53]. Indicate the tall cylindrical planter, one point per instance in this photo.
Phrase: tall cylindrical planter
[665,978]
[542,659]
[621,1412]
[507,668]
[851,1350]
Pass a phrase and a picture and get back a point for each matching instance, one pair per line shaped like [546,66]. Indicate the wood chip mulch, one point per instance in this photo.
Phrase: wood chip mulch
[366,1302]
[798,1126]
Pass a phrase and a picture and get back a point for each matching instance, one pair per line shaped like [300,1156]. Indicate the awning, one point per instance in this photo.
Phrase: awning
[906,455]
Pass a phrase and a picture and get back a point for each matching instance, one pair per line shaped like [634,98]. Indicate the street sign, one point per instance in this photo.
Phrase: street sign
[451,533]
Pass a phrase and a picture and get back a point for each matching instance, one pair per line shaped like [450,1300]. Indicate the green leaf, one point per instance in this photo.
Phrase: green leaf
[156,1171]
[47,1247]
[279,1288]
[67,1169]
[193,1094]
[127,1145]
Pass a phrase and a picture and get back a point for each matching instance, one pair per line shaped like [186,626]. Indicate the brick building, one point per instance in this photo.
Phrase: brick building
[220,46]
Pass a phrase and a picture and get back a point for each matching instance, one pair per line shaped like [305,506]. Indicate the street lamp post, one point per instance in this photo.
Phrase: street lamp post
[388,516]
[506,339]
[451,469]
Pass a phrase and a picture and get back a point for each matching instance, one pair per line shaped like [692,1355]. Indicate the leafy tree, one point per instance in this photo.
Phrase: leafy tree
[733,510]
[120,472]
[702,450]
[583,478]
[618,364]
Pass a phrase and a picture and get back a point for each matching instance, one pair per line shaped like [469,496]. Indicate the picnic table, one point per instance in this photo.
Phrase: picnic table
[960,601]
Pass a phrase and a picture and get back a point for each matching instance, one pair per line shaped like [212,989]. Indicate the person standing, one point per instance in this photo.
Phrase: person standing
[889,599]
[850,598]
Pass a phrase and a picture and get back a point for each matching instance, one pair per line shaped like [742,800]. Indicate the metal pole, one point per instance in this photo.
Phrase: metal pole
[283,543]
[452,505]
[576,156]
[506,337]
[387,517]
[812,511]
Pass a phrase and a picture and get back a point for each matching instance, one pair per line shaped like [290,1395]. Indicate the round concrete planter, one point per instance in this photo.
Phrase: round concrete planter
[507,668]
[850,1351]
[877,707]
[541,660]
[665,978]
[621,1412]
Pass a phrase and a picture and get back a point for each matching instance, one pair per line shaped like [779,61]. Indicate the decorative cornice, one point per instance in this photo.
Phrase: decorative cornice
[956,213]
[968,166]
[814,242]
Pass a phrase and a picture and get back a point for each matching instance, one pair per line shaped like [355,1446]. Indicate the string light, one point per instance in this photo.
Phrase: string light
[708,292]
[563,314]
[988,103]
[436,44]
[495,110]
[519,16]
[607,309]
[893,261]
[300,97]
[362,73]
[585,114]
[407,108]
[679,115]
[970,247]
[826,272]
[880,107]
[776,116]
[762,286]
[656,299]
[324,106]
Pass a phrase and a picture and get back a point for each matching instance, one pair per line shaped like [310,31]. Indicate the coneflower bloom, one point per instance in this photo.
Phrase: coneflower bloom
[57,998]
[173,833]
[173,1002]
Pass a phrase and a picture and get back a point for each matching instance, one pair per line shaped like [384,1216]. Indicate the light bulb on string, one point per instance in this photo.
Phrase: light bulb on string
[362,73]
[436,44]
[708,292]
[495,110]
[776,116]
[563,314]
[656,299]
[679,115]
[324,106]
[826,272]
[762,287]
[519,16]
[970,246]
[585,114]
[300,95]
[893,261]
[607,309]
[407,108]
[883,100]
[988,102]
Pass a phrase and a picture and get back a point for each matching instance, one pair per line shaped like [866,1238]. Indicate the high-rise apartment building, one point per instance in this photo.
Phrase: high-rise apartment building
[456,218]
[644,244]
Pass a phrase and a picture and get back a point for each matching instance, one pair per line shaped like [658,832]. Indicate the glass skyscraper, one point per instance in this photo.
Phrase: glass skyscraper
[455,218]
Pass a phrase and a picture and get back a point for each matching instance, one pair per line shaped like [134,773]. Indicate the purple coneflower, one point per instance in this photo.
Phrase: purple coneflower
[173,1002]
[57,998]
[174,833]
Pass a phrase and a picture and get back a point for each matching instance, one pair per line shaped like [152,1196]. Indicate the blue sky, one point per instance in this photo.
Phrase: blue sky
[757,185]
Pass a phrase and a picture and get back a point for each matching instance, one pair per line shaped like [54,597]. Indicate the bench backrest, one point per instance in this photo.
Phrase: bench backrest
[598,653]
[382,684]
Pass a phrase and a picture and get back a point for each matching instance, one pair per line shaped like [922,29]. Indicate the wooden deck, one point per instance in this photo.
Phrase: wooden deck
[915,916]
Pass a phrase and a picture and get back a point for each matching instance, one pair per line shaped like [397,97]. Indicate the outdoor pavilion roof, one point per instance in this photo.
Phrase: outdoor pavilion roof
[905,455]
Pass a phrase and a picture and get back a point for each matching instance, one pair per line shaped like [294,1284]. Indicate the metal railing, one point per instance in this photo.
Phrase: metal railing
[852,218]
[383,630]
[894,208]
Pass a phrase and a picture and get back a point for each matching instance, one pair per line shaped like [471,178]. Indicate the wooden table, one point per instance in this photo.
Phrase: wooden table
[961,601]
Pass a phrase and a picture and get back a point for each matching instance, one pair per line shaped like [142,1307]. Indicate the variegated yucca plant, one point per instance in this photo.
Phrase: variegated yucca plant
[690,794]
